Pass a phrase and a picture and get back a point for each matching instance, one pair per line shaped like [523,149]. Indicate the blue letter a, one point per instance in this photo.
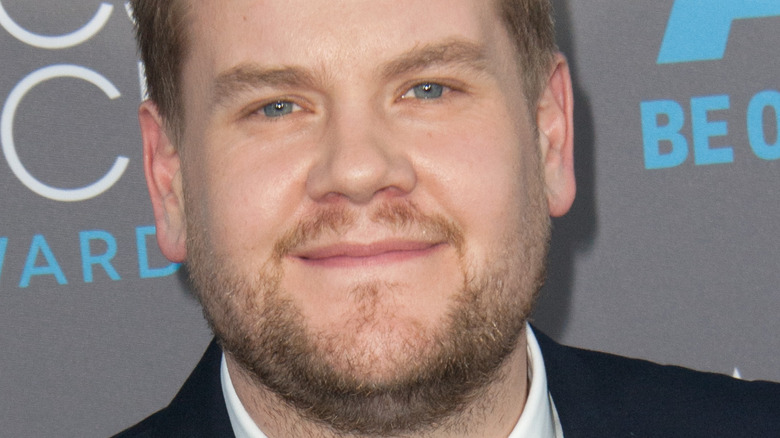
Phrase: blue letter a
[39,246]
[698,30]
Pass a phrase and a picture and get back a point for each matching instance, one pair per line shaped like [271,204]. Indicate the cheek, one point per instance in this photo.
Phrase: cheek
[484,173]
[250,200]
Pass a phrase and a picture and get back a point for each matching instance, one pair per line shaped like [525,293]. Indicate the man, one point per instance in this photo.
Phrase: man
[361,191]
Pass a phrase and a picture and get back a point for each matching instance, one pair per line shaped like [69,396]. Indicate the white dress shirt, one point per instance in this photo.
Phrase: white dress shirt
[539,418]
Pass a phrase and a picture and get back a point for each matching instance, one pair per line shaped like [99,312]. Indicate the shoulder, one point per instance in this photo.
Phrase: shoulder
[609,392]
[148,428]
[198,410]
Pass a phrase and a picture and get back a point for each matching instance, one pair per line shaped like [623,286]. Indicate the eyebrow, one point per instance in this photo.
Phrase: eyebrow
[457,52]
[245,77]
[249,76]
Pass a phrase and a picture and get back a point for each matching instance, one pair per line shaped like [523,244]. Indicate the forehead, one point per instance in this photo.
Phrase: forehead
[345,34]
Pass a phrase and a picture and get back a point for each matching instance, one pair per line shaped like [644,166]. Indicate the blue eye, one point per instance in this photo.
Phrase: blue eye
[278,108]
[427,90]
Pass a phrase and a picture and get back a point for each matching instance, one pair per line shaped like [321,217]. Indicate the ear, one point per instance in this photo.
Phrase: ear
[554,119]
[162,167]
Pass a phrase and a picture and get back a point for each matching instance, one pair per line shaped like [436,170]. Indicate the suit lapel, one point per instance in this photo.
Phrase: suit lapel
[198,410]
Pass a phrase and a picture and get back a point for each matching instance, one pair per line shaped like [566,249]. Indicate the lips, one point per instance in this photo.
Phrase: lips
[353,254]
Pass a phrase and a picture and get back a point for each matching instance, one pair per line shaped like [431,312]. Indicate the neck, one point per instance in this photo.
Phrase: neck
[492,413]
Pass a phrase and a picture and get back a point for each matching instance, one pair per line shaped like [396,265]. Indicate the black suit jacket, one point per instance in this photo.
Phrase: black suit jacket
[596,395]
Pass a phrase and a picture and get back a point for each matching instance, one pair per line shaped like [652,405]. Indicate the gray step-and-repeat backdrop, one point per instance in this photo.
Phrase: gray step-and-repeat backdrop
[671,252]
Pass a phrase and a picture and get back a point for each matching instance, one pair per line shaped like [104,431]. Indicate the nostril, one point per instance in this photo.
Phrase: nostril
[360,172]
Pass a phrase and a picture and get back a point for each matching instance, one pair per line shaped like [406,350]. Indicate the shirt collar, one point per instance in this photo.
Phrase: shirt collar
[242,423]
[539,417]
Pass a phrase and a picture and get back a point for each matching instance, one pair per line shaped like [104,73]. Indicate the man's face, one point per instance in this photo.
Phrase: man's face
[364,195]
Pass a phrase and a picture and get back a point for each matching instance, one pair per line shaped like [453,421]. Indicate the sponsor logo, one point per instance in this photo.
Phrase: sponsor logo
[698,30]
[35,78]
[98,249]
[673,130]
[665,145]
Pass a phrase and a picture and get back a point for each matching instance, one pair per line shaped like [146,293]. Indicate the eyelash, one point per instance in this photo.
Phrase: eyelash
[259,110]
[285,107]
[434,90]
[448,87]
[440,90]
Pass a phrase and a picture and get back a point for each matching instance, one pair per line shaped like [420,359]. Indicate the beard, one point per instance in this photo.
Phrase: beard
[423,376]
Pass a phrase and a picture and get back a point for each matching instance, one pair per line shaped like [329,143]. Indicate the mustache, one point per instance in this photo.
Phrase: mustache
[397,215]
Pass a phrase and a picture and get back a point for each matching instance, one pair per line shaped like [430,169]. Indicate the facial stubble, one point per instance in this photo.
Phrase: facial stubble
[438,372]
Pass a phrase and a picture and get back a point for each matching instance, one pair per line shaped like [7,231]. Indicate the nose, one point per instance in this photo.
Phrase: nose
[360,160]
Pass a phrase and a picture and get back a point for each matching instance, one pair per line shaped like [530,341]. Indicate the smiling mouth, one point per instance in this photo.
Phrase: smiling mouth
[345,255]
